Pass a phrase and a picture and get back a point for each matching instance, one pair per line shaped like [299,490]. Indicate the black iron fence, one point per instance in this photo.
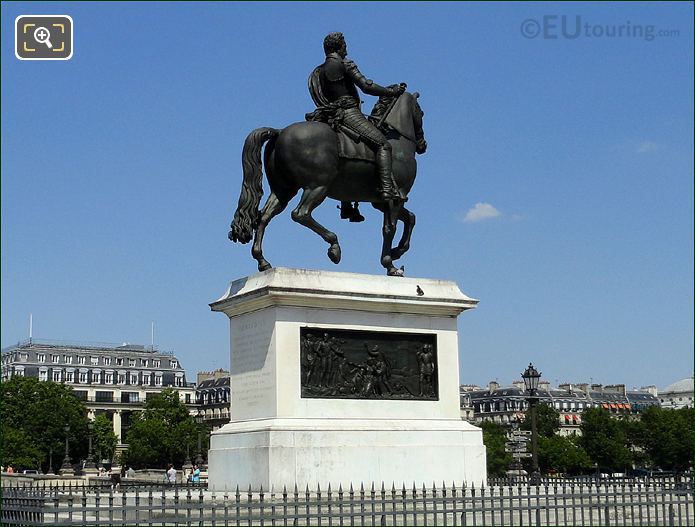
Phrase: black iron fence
[561,502]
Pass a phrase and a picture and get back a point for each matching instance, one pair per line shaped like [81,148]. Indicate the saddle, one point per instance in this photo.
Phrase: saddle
[350,146]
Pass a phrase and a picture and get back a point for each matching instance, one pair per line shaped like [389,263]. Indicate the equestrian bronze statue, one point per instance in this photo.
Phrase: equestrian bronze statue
[336,153]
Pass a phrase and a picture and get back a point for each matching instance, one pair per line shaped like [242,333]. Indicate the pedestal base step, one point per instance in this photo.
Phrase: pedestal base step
[273,453]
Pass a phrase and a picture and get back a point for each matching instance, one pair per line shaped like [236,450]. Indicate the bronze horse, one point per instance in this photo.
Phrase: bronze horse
[305,156]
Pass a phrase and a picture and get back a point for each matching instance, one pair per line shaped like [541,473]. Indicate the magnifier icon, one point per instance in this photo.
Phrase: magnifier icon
[42,36]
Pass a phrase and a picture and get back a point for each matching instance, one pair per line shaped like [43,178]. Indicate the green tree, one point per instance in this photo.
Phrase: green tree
[41,410]
[605,440]
[159,434]
[667,437]
[562,454]
[104,439]
[19,449]
[548,420]
[494,438]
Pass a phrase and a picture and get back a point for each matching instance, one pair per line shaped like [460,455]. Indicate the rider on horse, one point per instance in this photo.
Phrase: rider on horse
[333,87]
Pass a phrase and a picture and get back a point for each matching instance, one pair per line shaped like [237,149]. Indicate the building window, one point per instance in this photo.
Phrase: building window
[156,363]
[131,363]
[179,381]
[70,377]
[107,360]
[83,377]
[24,357]
[157,380]
[56,375]
[146,379]
[19,372]
[104,397]
[40,357]
[130,397]
[119,361]
[81,359]
[96,377]
[121,378]
[43,375]
[67,359]
[133,378]
[174,364]
[94,360]
[108,378]
[55,359]
[144,363]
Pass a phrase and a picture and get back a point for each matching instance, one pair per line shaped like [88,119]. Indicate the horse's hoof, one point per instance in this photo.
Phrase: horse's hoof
[395,272]
[264,266]
[334,253]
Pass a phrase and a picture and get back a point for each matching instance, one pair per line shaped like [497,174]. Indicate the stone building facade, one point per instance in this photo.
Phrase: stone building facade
[505,405]
[213,398]
[680,394]
[114,380]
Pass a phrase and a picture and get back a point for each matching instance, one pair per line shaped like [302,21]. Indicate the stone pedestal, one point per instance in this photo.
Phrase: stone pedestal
[280,436]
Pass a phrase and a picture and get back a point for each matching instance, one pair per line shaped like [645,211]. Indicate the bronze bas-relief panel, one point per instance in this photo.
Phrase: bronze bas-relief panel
[351,364]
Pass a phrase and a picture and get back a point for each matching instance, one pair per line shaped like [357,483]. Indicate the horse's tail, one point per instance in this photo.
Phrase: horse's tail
[246,215]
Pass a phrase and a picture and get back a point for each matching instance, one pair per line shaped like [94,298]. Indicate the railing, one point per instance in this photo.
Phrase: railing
[564,503]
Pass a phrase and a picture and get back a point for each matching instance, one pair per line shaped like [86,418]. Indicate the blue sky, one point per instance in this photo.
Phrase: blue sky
[121,171]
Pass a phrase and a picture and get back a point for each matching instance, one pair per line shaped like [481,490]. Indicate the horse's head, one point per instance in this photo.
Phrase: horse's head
[406,118]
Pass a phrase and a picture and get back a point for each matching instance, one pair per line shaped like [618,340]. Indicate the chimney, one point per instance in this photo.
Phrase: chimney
[615,388]
[520,385]
[597,388]
[567,387]
[583,386]
[650,389]
[492,386]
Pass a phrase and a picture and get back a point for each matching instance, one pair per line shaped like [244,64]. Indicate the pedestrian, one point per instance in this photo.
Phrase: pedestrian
[196,474]
[115,476]
[10,470]
[171,474]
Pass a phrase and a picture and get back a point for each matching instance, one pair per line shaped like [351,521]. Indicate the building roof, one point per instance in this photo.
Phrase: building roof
[100,347]
[213,383]
[682,386]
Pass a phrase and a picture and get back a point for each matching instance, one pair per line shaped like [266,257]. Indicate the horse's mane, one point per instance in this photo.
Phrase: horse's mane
[381,106]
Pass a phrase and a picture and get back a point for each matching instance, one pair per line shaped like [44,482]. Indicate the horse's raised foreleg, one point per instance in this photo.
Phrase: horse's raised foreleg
[273,206]
[408,220]
[391,215]
[312,198]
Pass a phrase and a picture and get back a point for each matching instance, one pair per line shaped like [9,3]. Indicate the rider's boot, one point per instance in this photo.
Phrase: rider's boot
[387,190]
[346,210]
[356,216]
[351,212]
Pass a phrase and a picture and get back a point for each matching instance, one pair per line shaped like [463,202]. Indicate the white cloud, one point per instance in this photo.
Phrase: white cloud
[480,212]
[647,146]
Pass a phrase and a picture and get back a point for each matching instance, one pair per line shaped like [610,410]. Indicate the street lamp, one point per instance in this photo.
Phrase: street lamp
[531,377]
[50,462]
[89,466]
[199,457]
[66,469]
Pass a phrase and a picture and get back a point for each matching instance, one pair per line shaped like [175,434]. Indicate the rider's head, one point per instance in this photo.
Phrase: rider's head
[335,43]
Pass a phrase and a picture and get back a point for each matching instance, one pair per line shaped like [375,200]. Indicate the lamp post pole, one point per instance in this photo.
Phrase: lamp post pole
[531,377]
[89,466]
[199,457]
[66,469]
[50,462]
